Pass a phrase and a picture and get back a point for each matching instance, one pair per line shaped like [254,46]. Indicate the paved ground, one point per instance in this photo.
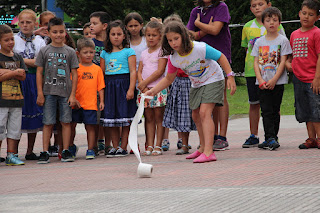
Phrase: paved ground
[242,180]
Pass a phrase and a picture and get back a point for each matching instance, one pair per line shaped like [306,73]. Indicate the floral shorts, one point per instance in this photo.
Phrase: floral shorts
[159,100]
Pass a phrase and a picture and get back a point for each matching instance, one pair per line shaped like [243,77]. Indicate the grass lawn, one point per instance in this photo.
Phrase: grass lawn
[238,103]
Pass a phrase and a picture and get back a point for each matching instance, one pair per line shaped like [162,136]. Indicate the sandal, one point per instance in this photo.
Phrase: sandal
[148,152]
[157,152]
[183,151]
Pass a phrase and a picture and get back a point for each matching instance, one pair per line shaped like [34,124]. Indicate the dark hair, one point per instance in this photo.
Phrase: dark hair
[176,27]
[269,12]
[103,16]
[4,29]
[136,16]
[125,43]
[69,41]
[214,2]
[268,1]
[84,42]
[54,22]
[312,4]
[154,25]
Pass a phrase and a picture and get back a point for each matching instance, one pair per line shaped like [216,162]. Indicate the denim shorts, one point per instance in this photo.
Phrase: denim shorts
[84,116]
[307,104]
[51,104]
[10,123]
[252,90]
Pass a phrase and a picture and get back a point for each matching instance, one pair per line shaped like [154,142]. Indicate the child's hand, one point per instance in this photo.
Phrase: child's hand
[73,102]
[149,93]
[142,86]
[130,94]
[197,21]
[231,84]
[271,84]
[101,106]
[315,86]
[42,31]
[262,84]
[20,72]
[40,100]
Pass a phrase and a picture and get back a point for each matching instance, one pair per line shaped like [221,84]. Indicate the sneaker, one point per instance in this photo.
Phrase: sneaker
[273,144]
[203,158]
[13,160]
[32,156]
[270,144]
[107,149]
[53,151]
[121,152]
[166,144]
[2,159]
[179,143]
[66,156]
[96,150]
[309,143]
[73,150]
[220,145]
[44,158]
[101,147]
[90,154]
[252,141]
[111,153]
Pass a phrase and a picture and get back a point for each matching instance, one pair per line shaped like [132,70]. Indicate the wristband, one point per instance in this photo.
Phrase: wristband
[262,84]
[230,74]
[199,34]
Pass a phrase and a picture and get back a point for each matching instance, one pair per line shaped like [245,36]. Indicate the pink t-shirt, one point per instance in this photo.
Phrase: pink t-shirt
[150,63]
[305,50]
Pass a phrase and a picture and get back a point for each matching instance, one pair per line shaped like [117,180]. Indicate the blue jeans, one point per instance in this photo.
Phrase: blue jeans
[51,103]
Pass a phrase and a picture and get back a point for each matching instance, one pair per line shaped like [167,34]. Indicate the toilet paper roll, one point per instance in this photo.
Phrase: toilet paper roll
[145,170]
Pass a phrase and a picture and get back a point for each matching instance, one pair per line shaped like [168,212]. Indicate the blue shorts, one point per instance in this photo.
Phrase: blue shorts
[252,90]
[84,116]
[307,103]
[51,103]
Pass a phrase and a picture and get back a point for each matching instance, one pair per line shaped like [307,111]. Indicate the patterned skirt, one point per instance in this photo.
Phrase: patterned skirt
[159,100]
[31,113]
[178,114]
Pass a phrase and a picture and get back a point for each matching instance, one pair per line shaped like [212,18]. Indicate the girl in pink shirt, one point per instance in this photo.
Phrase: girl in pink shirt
[150,72]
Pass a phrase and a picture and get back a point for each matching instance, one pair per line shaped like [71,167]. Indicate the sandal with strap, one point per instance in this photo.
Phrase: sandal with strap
[157,152]
[148,152]
[183,151]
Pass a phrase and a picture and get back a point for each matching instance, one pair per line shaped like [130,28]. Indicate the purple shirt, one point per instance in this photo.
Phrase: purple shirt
[222,41]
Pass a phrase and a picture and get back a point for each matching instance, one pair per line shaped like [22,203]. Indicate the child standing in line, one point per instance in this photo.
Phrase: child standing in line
[199,61]
[12,69]
[28,46]
[305,43]
[118,62]
[90,81]
[44,19]
[55,88]
[134,25]
[270,54]
[87,31]
[253,30]
[98,25]
[150,72]
[209,22]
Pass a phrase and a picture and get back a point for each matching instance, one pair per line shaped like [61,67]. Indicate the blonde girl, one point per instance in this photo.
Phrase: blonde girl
[151,71]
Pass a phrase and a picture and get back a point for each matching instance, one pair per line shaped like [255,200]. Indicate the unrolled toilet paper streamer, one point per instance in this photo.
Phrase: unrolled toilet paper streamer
[144,170]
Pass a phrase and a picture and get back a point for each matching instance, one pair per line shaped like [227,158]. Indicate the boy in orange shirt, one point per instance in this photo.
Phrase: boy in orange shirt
[90,80]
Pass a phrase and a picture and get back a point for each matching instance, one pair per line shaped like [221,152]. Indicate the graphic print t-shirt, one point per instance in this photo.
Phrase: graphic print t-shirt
[269,53]
[57,63]
[99,46]
[10,90]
